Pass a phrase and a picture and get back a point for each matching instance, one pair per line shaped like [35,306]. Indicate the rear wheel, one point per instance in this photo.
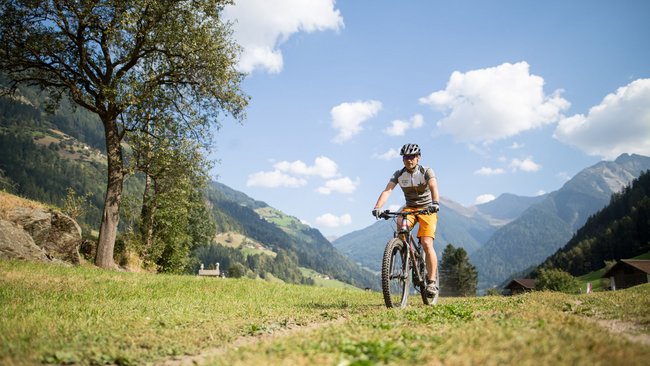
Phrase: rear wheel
[395,274]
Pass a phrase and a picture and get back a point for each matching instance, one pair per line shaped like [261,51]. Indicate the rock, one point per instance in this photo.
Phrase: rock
[16,243]
[64,238]
[57,235]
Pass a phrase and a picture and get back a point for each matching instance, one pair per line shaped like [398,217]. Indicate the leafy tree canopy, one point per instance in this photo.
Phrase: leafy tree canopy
[130,62]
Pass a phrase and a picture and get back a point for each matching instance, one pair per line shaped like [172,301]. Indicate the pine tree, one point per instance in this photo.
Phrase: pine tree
[458,277]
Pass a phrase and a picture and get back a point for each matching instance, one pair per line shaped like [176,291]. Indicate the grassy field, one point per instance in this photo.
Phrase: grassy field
[82,315]
[324,281]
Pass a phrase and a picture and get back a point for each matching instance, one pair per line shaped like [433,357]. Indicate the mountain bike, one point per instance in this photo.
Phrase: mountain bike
[403,256]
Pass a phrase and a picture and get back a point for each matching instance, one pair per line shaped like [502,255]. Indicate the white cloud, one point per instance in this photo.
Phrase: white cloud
[284,174]
[274,179]
[332,221]
[484,198]
[516,146]
[348,117]
[495,103]
[541,192]
[388,155]
[489,171]
[526,165]
[399,127]
[323,167]
[261,26]
[619,124]
[342,185]
[417,121]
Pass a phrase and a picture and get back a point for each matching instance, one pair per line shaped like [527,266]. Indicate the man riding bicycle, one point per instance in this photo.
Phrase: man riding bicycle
[420,189]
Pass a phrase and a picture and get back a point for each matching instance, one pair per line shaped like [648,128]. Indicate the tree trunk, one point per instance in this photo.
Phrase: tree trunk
[148,198]
[147,216]
[111,214]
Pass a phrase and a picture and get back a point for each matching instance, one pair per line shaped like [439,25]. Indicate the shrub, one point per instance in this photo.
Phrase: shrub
[557,280]
[236,270]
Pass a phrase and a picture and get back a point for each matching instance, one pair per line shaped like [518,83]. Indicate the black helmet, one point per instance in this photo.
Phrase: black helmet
[410,149]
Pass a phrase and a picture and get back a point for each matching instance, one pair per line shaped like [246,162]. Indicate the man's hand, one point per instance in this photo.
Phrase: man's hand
[435,207]
[376,212]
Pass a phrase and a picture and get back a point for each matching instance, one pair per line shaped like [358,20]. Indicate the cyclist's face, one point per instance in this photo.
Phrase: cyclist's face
[411,161]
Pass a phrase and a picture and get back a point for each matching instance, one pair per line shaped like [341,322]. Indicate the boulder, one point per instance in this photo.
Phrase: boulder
[56,234]
[16,243]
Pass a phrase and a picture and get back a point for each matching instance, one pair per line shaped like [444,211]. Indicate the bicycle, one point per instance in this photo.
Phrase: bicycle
[403,255]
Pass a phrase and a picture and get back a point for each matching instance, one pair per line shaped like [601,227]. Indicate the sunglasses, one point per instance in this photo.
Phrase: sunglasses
[409,157]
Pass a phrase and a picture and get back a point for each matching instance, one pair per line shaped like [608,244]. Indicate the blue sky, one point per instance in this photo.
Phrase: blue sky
[502,96]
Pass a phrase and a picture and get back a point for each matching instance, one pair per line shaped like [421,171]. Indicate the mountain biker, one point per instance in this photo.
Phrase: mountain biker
[420,189]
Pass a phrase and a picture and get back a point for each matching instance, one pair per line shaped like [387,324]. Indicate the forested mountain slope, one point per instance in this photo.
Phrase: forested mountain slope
[621,230]
[276,230]
[43,155]
[548,225]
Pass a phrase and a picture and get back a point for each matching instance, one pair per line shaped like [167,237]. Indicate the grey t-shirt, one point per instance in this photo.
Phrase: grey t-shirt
[415,185]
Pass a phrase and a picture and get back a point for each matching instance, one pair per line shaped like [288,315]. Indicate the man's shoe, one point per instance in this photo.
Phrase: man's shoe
[432,288]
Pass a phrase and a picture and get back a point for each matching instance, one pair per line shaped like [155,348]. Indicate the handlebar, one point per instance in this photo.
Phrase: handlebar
[388,214]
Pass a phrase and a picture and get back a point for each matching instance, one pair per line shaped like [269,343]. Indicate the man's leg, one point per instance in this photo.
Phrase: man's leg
[431,258]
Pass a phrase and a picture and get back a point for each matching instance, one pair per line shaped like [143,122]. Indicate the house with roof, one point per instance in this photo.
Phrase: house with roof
[520,285]
[627,273]
[216,272]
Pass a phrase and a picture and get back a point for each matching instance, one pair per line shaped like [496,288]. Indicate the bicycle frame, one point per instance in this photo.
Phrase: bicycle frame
[412,262]
[415,247]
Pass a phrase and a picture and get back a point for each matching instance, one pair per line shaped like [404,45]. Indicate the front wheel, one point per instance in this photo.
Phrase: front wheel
[395,274]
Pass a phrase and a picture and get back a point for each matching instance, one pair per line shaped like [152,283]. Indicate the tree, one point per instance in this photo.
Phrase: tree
[237,270]
[5,183]
[458,277]
[113,56]
[75,205]
[175,178]
[557,280]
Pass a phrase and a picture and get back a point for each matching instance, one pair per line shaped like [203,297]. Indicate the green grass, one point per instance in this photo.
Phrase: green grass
[90,316]
[320,281]
[643,256]
[81,315]
[595,278]
[534,329]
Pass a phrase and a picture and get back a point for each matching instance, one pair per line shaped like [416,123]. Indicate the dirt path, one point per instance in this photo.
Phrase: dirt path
[632,331]
[243,341]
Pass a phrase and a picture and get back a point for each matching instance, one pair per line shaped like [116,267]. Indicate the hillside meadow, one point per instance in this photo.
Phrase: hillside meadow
[83,315]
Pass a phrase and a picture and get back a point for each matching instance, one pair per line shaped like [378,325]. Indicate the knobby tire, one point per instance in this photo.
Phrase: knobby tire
[395,274]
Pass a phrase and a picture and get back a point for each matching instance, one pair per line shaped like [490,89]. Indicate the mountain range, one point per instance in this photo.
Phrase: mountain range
[42,155]
[548,225]
[465,227]
[276,230]
[511,233]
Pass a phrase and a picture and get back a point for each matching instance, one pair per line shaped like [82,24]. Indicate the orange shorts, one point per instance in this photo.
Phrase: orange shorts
[428,223]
